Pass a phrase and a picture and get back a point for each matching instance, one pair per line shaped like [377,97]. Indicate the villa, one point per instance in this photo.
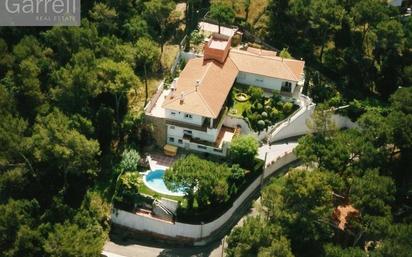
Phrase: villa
[192,112]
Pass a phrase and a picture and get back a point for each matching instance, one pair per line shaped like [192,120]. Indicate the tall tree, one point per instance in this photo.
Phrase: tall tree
[243,150]
[326,18]
[147,57]
[222,13]
[64,156]
[256,237]
[70,240]
[116,79]
[163,18]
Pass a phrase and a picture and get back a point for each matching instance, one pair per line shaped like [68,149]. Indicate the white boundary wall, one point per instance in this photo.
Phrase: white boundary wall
[194,232]
[297,125]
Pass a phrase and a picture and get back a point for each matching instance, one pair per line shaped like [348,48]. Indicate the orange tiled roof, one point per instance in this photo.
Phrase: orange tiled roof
[261,52]
[215,82]
[269,66]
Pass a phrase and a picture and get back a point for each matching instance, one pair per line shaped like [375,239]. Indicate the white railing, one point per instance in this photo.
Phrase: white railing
[305,105]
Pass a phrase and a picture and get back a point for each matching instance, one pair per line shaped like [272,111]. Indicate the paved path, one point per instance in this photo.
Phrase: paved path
[141,249]
[276,150]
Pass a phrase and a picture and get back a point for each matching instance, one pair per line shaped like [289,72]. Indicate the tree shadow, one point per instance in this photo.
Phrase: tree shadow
[192,251]
[124,237]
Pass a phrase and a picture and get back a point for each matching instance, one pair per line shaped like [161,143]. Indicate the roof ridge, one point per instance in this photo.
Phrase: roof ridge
[255,55]
[290,70]
[234,63]
[205,103]
[200,88]
[276,58]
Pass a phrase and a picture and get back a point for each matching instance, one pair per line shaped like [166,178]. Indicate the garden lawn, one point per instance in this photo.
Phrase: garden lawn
[169,55]
[239,107]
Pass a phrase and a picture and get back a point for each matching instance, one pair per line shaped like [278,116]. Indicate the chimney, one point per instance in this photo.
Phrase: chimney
[182,98]
[197,84]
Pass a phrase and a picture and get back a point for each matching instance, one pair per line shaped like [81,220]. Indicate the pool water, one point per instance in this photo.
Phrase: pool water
[154,180]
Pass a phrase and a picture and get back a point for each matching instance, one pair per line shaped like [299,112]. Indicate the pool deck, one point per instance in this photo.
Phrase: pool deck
[160,161]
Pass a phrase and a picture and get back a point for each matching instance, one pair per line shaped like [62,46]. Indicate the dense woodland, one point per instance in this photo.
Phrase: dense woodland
[64,95]
[356,49]
[65,119]
[367,168]
[356,53]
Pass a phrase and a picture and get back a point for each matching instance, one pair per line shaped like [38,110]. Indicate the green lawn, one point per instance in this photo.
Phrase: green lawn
[239,107]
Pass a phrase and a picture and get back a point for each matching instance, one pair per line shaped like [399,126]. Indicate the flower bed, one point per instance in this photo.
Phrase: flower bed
[242,97]
[261,111]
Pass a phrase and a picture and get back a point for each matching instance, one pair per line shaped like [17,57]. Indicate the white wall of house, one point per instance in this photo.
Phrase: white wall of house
[185,117]
[207,149]
[262,81]
[298,124]
[177,132]
[186,144]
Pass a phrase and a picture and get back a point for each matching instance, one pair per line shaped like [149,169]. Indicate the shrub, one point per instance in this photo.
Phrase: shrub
[255,93]
[196,37]
[274,112]
[285,53]
[276,96]
[128,189]
[259,107]
[236,178]
[243,150]
[130,160]
[261,125]
[287,107]
[182,64]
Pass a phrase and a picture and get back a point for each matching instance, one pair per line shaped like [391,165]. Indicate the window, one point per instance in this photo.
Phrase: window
[172,127]
[188,116]
[259,80]
[171,139]
[201,147]
[173,113]
[180,141]
[189,132]
[218,150]
[286,87]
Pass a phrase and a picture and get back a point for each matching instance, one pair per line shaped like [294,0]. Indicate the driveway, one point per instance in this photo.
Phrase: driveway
[144,249]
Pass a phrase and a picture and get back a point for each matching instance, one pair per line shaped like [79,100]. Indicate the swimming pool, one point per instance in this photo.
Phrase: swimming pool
[154,180]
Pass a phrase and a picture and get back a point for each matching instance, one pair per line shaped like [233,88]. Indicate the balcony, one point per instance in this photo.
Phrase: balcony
[225,135]
[217,123]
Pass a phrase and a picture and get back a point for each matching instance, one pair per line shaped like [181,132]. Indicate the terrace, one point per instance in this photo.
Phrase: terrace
[216,124]
[225,135]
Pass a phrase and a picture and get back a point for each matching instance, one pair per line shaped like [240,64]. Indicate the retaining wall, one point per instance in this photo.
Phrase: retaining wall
[297,125]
